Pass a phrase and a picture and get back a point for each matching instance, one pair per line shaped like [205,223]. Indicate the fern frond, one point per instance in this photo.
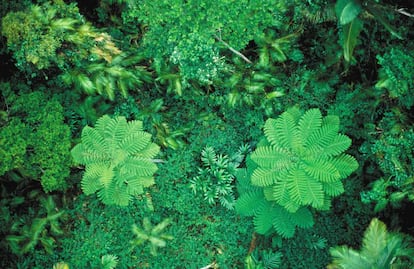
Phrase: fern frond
[281,131]
[148,152]
[303,190]
[135,142]
[302,218]
[333,189]
[93,141]
[321,139]
[375,239]
[263,177]
[339,144]
[309,123]
[272,157]
[282,222]
[345,164]
[248,203]
[263,219]
[321,169]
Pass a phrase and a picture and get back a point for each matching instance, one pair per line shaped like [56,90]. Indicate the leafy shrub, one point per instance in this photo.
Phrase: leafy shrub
[299,164]
[118,156]
[35,141]
[215,178]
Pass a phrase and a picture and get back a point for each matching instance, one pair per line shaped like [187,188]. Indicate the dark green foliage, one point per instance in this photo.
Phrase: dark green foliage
[191,34]
[215,178]
[34,141]
[267,260]
[380,249]
[392,153]
[26,237]
[395,75]
[118,156]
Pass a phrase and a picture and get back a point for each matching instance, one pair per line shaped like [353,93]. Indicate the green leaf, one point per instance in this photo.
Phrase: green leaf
[347,10]
[350,34]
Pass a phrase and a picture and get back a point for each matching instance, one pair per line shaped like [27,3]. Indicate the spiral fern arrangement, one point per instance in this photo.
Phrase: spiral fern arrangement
[118,156]
[299,164]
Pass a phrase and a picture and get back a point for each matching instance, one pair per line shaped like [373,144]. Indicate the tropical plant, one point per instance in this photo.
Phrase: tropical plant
[154,235]
[380,249]
[215,178]
[118,156]
[347,12]
[27,237]
[299,164]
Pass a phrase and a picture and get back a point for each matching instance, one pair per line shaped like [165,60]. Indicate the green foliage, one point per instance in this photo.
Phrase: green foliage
[347,12]
[56,35]
[395,75]
[391,152]
[215,178]
[118,156]
[109,261]
[380,249]
[191,34]
[266,260]
[34,140]
[26,237]
[36,34]
[300,164]
[154,235]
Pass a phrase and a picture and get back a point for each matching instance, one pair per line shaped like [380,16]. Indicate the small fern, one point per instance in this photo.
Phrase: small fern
[299,164]
[118,159]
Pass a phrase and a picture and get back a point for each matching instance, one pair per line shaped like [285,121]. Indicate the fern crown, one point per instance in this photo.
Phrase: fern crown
[302,161]
[118,159]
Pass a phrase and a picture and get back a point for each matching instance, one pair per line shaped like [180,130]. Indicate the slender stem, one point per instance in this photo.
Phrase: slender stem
[233,50]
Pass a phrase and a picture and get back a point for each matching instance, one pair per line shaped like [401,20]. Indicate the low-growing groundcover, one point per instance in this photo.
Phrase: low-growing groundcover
[138,134]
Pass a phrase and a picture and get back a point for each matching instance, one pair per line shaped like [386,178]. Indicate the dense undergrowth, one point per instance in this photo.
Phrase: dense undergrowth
[207,134]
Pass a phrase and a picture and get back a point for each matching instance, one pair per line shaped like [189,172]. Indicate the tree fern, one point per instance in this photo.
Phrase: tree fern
[299,164]
[118,159]
[304,157]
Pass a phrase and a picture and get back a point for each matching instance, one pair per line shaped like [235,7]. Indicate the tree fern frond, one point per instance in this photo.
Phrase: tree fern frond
[135,142]
[333,189]
[263,219]
[321,169]
[339,144]
[93,141]
[137,166]
[248,203]
[90,181]
[309,123]
[302,218]
[303,190]
[281,131]
[148,152]
[320,139]
[282,222]
[134,126]
[263,177]
[272,157]
[345,164]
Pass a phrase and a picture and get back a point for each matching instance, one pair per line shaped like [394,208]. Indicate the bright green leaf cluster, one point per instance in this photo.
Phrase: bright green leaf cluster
[300,164]
[118,156]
